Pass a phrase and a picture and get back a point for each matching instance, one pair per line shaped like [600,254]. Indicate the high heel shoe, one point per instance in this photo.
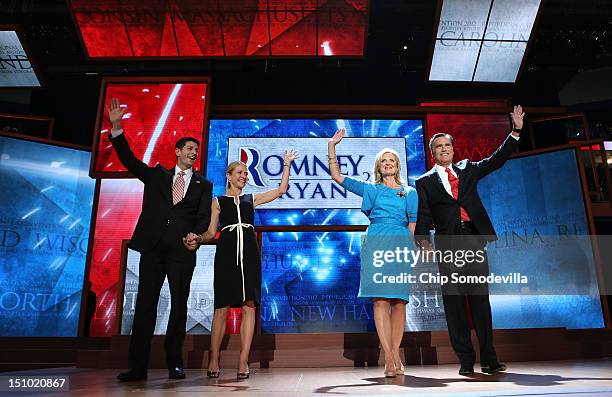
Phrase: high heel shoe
[399,370]
[243,375]
[390,372]
[213,374]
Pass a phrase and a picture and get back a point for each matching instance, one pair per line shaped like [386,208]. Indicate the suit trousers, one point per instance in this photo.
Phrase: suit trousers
[457,297]
[169,258]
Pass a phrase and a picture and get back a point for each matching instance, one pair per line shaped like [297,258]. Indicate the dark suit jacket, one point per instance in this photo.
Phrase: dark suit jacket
[192,214]
[440,210]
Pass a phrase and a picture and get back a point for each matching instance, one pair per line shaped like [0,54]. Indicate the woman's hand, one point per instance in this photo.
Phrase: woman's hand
[192,241]
[291,155]
[337,136]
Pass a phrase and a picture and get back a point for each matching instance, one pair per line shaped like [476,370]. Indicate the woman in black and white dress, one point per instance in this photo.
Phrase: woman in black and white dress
[237,279]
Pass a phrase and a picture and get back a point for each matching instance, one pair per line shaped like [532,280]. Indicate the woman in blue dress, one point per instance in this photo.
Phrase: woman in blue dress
[391,206]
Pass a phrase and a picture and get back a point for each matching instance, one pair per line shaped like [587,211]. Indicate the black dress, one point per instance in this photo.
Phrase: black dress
[237,277]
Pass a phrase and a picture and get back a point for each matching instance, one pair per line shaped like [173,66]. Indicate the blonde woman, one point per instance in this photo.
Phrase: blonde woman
[391,206]
[237,280]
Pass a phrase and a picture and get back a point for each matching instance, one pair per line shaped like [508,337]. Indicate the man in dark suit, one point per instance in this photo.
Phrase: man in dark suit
[176,202]
[450,204]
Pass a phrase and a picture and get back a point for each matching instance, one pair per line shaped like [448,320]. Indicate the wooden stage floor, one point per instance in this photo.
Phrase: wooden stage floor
[589,378]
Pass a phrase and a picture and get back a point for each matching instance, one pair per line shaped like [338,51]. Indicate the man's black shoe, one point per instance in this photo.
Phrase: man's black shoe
[493,368]
[176,373]
[132,375]
[466,370]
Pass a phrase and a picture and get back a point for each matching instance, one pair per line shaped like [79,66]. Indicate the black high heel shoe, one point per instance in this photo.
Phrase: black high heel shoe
[213,374]
[243,375]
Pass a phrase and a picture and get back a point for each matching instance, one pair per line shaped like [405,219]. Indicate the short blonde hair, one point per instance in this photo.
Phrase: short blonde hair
[376,172]
[230,168]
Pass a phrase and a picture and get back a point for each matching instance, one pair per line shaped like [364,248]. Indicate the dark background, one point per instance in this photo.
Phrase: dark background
[571,36]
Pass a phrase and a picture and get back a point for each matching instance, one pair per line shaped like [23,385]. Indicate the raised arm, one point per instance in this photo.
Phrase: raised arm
[270,195]
[139,169]
[503,153]
[334,169]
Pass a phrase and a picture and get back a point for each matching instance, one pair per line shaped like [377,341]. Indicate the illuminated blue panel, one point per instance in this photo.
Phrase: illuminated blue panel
[539,208]
[221,131]
[310,282]
[44,231]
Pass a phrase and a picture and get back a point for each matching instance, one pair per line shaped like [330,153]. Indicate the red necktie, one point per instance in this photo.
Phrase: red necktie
[178,189]
[454,182]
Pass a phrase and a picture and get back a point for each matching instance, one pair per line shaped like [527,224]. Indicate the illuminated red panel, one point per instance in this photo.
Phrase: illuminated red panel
[119,206]
[341,28]
[169,28]
[149,28]
[245,27]
[102,28]
[198,32]
[158,114]
[476,136]
[293,31]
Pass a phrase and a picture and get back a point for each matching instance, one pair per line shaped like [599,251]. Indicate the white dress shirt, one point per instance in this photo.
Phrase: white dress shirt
[186,177]
[444,177]
[188,171]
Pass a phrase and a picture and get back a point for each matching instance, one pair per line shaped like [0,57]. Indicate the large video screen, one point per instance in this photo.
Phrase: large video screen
[313,198]
[15,66]
[475,136]
[482,42]
[228,28]
[536,205]
[119,205]
[45,215]
[310,279]
[157,115]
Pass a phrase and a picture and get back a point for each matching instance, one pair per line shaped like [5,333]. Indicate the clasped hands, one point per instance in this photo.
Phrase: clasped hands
[192,241]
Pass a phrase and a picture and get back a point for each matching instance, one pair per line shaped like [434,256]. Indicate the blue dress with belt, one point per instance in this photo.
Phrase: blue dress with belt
[389,210]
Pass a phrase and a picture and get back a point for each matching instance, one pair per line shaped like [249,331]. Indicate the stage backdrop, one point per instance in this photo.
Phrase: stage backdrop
[310,280]
[45,214]
[119,205]
[476,136]
[537,207]
[200,305]
[157,115]
[313,199]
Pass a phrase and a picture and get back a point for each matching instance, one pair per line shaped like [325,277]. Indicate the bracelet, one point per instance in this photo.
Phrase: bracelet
[516,129]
